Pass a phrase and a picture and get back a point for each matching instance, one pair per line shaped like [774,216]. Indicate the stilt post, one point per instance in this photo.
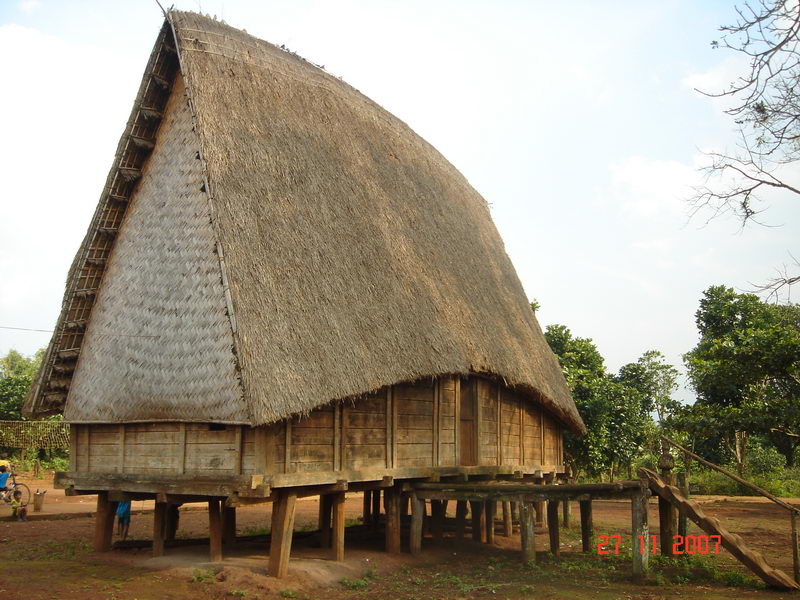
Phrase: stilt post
[417,515]
[281,539]
[683,521]
[491,509]
[527,534]
[159,527]
[476,508]
[552,526]
[103,523]
[640,532]
[337,542]
[376,508]
[666,512]
[587,527]
[214,530]
[392,504]
[461,518]
[366,512]
[228,525]
[508,523]
[437,519]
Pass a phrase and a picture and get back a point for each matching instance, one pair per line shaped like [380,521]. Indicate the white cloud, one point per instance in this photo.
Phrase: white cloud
[650,188]
[28,6]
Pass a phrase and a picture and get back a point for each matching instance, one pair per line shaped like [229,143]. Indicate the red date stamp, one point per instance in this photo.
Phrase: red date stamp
[690,544]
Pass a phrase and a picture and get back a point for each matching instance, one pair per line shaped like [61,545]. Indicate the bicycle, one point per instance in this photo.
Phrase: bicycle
[8,495]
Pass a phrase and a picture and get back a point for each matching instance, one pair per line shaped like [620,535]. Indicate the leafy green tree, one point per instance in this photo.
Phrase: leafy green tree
[17,373]
[655,380]
[612,411]
[745,370]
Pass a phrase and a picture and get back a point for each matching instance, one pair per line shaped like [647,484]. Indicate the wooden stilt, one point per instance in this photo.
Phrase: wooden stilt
[639,528]
[417,515]
[281,539]
[508,523]
[325,521]
[228,525]
[376,508]
[103,523]
[795,547]
[214,531]
[567,509]
[172,520]
[665,517]
[337,542]
[476,508]
[587,527]
[437,519]
[552,525]
[461,518]
[391,499]
[526,518]
[683,521]
[404,504]
[159,527]
[491,510]
[366,513]
[540,514]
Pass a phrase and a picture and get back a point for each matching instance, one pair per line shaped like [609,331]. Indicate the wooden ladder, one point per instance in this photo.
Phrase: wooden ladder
[731,542]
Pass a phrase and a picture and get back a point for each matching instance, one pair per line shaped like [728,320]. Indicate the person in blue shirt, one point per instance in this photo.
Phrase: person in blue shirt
[4,475]
[123,518]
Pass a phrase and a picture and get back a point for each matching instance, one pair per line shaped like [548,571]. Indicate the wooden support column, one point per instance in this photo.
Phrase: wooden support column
[392,503]
[476,508]
[552,525]
[366,512]
[172,519]
[527,534]
[639,527]
[417,515]
[376,508]
[404,504]
[587,527]
[491,509]
[280,546]
[159,527]
[325,521]
[103,523]
[337,541]
[666,512]
[214,531]
[508,522]
[683,522]
[461,518]
[228,525]
[437,518]
[566,513]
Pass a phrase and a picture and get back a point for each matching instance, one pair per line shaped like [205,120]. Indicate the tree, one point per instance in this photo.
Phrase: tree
[745,369]
[612,411]
[766,112]
[17,373]
[655,380]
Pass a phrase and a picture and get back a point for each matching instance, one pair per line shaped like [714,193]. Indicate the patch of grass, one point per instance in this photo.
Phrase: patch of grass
[204,576]
[354,584]
[257,530]
[237,593]
[52,550]
[287,594]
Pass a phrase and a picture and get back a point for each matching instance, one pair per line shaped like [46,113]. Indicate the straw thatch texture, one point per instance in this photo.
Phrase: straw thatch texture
[159,345]
[357,255]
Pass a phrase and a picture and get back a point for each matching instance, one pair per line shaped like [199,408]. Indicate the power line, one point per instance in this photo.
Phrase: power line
[105,334]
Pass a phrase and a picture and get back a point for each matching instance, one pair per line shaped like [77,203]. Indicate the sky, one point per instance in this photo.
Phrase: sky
[580,126]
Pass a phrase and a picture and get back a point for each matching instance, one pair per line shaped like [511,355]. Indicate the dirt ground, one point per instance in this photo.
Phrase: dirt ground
[50,557]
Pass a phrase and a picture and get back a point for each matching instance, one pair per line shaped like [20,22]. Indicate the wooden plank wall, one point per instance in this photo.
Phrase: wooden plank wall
[392,428]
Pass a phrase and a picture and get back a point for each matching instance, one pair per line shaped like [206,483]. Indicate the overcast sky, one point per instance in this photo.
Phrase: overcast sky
[579,126]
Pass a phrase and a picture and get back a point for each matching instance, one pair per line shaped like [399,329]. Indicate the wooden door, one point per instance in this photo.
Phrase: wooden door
[468,430]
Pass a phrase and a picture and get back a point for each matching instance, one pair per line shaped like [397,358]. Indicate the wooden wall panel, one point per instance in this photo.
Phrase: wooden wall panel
[313,444]
[487,422]
[551,435]
[364,432]
[509,427]
[414,405]
[248,450]
[210,450]
[447,415]
[532,432]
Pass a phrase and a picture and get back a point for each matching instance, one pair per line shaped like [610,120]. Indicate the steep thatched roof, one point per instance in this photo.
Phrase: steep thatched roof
[350,255]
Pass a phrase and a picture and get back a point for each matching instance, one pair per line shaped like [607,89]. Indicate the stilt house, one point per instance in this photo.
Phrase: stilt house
[285,290]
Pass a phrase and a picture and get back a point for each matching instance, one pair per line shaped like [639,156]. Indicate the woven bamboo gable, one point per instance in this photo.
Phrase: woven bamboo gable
[269,241]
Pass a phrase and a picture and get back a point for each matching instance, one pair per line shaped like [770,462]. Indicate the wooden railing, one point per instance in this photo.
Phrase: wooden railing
[793,510]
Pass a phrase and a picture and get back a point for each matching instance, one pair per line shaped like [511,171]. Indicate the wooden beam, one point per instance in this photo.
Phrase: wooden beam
[436,421]
[103,523]
[499,426]
[337,543]
[121,450]
[214,531]
[389,429]
[281,538]
[263,456]
[325,521]
[395,461]
[565,512]
[392,507]
[508,521]
[639,527]
[186,485]
[552,526]
[237,444]
[457,420]
[366,509]
[587,527]
[228,525]
[461,518]
[288,467]
[417,515]
[527,533]
[159,528]
[491,510]
[182,448]
[522,413]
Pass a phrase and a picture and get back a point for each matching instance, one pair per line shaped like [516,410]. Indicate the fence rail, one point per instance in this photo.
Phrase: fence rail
[40,435]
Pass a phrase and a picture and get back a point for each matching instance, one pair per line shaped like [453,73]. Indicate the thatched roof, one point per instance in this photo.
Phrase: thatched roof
[332,252]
